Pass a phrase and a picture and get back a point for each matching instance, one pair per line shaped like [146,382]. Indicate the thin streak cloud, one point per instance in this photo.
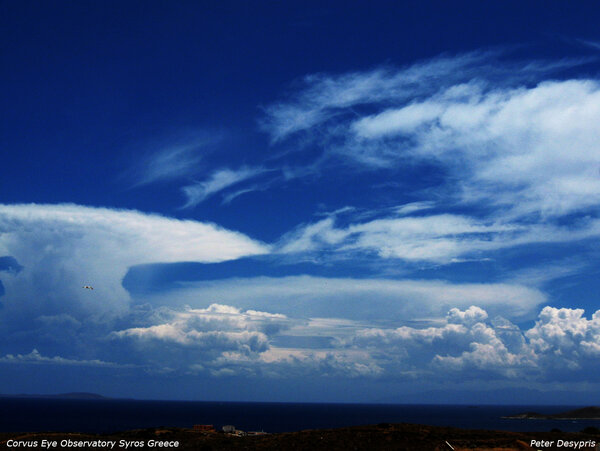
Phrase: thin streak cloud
[219,180]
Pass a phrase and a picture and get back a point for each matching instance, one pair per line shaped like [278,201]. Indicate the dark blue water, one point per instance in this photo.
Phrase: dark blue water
[117,415]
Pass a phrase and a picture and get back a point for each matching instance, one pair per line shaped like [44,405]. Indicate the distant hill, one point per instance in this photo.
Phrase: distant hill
[501,396]
[78,395]
[585,413]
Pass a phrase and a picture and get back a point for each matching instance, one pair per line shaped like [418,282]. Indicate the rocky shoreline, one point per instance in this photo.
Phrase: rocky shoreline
[585,413]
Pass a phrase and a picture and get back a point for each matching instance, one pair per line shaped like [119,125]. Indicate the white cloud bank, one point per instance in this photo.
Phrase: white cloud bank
[223,341]
[562,345]
[218,326]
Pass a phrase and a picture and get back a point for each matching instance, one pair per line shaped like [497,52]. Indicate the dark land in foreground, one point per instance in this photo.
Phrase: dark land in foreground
[374,437]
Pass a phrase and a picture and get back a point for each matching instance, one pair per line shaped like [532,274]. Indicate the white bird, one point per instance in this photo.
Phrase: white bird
[88,287]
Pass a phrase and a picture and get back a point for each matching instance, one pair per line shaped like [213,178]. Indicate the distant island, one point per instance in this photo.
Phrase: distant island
[77,395]
[585,413]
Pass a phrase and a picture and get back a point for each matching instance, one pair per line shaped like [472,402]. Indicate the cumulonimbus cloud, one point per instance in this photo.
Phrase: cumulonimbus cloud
[64,247]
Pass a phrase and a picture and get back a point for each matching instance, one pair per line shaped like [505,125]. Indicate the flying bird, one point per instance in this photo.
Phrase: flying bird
[88,287]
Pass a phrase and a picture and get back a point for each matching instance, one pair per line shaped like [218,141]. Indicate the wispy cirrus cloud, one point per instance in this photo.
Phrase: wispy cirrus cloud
[185,161]
[438,238]
[173,161]
[324,97]
[497,127]
[217,181]
[589,43]
[514,144]
[508,144]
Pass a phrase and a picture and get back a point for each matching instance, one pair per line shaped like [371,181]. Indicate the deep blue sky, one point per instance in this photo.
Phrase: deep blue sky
[325,201]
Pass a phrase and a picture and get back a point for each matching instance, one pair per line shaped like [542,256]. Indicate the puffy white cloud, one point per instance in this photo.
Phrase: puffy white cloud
[562,345]
[465,342]
[404,337]
[488,352]
[472,315]
[218,326]
[566,337]
[210,338]
[225,341]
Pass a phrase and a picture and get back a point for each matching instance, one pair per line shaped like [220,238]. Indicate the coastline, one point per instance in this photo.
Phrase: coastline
[111,415]
[585,413]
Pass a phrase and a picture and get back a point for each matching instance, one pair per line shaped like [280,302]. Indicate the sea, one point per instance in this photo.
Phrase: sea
[112,415]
